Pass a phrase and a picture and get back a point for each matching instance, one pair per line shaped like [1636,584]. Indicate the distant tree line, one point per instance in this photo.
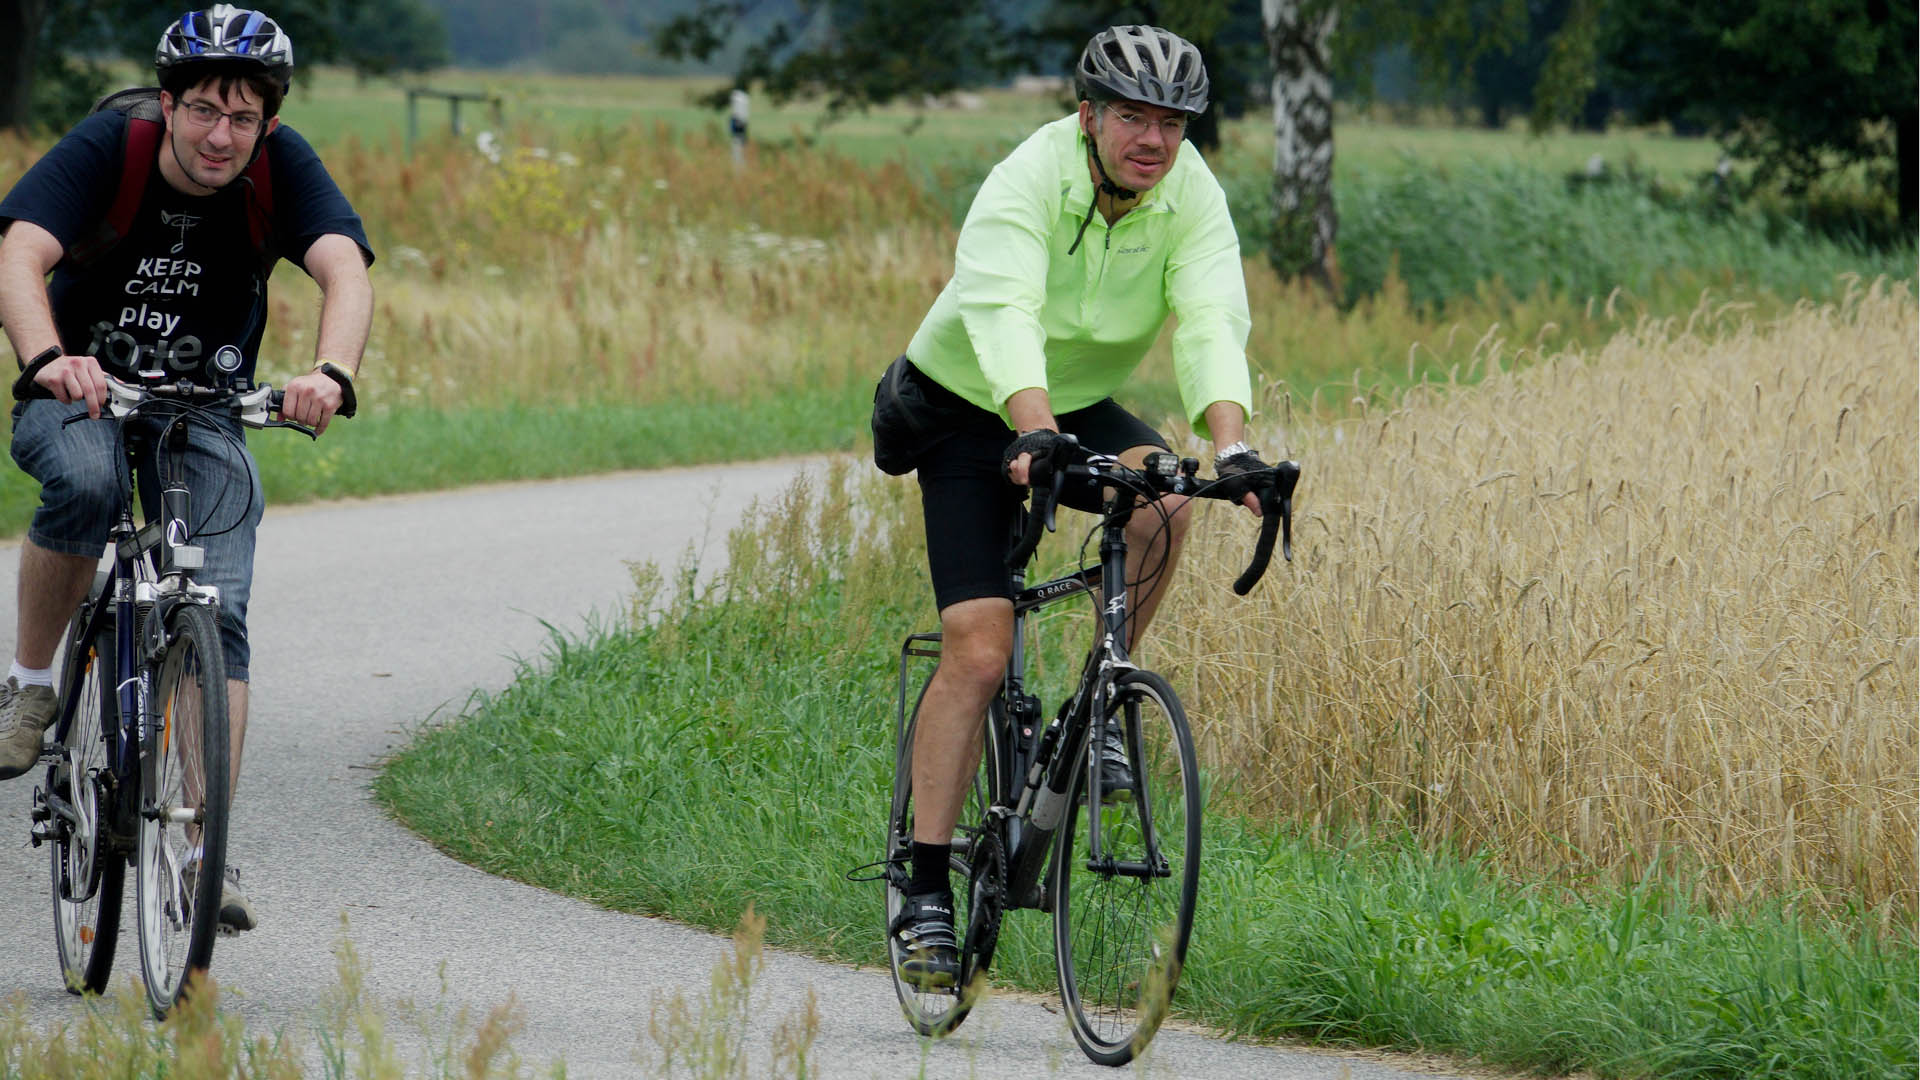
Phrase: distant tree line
[53,52]
[1798,88]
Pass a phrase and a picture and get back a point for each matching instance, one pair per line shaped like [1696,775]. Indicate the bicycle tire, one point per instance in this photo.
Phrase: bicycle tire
[89,874]
[1120,938]
[180,868]
[936,1012]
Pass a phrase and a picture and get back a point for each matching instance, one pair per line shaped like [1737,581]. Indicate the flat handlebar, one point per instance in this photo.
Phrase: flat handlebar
[254,408]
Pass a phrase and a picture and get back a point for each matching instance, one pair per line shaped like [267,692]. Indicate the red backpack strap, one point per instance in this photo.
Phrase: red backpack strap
[259,180]
[138,152]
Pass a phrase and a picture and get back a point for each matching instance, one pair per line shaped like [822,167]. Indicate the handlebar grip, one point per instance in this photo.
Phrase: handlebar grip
[24,388]
[1039,520]
[1040,510]
[274,401]
[1263,549]
[1276,517]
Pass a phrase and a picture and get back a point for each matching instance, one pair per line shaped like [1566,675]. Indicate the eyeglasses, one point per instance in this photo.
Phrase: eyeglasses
[1133,123]
[202,115]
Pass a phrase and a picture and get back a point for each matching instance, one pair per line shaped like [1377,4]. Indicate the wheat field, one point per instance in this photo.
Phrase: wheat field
[1652,603]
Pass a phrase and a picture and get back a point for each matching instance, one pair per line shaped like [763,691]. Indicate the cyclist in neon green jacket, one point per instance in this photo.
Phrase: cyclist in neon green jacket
[1077,248]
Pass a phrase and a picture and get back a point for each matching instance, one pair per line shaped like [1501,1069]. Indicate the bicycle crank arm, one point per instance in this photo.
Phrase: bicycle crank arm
[56,807]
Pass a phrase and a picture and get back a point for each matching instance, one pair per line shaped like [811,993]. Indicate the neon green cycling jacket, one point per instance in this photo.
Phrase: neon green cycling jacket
[1020,312]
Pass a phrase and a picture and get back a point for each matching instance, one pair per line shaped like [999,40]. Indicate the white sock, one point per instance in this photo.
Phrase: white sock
[27,676]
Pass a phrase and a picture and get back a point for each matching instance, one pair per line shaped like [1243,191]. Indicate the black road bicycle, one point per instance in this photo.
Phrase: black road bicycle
[137,769]
[1119,869]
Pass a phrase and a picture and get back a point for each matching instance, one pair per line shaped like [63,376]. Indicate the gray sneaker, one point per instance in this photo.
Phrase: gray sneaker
[235,913]
[25,712]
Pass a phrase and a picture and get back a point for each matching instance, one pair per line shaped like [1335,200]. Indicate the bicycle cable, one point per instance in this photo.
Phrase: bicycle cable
[186,412]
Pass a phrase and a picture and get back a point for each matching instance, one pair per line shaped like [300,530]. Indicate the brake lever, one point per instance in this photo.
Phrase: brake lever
[1287,476]
[301,428]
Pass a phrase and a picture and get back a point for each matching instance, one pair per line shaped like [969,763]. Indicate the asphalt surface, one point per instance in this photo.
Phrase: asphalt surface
[370,617]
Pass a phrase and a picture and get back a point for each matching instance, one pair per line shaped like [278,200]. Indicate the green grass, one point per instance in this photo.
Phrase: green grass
[736,750]
[399,450]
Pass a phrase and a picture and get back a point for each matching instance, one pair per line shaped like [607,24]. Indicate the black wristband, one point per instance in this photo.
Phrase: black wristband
[23,386]
[344,378]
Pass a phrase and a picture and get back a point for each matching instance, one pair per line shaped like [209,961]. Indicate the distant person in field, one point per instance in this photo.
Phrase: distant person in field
[1077,248]
[187,277]
[737,107]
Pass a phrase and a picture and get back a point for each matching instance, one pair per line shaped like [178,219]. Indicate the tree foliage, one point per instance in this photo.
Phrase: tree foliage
[861,53]
[63,50]
[855,53]
[1531,56]
[1796,86]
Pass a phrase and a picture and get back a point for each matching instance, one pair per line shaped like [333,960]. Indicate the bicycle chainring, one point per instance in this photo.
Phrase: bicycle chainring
[987,902]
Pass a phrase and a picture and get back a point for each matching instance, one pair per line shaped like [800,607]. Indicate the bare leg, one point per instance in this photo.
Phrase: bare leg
[51,588]
[236,734]
[976,636]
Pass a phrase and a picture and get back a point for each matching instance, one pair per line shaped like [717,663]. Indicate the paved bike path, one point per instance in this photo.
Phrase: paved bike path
[371,616]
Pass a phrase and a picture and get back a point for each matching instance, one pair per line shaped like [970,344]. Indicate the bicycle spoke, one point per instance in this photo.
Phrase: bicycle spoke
[183,824]
[937,1011]
[87,878]
[1124,894]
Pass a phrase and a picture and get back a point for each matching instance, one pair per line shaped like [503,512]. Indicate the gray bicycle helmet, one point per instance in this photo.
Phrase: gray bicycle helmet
[1143,63]
[224,34]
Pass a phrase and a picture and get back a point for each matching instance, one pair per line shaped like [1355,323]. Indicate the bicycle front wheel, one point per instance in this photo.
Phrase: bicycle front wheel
[937,1011]
[88,873]
[1124,876]
[183,816]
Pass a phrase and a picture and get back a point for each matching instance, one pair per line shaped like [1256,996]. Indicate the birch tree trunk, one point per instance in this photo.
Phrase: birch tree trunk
[1304,222]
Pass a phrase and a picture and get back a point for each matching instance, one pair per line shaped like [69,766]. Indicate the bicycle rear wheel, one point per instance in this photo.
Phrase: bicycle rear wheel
[937,1012]
[88,873]
[1124,878]
[183,820]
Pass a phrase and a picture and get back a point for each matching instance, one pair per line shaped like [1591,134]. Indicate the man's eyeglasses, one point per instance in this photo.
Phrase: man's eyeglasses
[202,115]
[1134,123]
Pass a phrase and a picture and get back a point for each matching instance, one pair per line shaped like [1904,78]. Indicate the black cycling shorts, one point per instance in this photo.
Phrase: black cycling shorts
[969,504]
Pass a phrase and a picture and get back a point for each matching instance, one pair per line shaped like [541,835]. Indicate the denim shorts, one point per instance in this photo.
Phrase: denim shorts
[82,473]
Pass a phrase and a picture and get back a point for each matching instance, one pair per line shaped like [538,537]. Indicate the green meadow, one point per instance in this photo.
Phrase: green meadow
[1553,774]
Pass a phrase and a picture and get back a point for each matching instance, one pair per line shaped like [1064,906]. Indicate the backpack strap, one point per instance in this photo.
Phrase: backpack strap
[259,196]
[138,153]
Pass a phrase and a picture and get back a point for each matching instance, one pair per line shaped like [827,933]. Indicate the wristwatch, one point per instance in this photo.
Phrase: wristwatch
[1232,450]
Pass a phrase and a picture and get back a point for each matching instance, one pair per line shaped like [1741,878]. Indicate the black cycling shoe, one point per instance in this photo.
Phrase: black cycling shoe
[928,951]
[1116,775]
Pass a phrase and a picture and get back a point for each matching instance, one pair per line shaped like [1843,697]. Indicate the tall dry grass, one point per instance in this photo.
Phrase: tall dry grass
[635,266]
[1655,602]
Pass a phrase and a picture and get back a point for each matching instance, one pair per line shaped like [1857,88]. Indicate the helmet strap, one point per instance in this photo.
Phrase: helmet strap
[1106,187]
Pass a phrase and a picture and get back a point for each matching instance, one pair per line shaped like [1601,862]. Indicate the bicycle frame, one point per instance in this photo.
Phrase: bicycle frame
[1035,763]
[140,605]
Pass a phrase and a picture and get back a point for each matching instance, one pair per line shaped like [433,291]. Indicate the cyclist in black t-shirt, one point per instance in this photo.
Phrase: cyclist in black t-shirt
[188,277]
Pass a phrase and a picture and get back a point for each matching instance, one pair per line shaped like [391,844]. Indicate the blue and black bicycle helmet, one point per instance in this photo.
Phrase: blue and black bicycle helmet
[224,34]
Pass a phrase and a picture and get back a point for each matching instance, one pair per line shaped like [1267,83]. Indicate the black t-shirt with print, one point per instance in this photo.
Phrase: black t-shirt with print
[186,278]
